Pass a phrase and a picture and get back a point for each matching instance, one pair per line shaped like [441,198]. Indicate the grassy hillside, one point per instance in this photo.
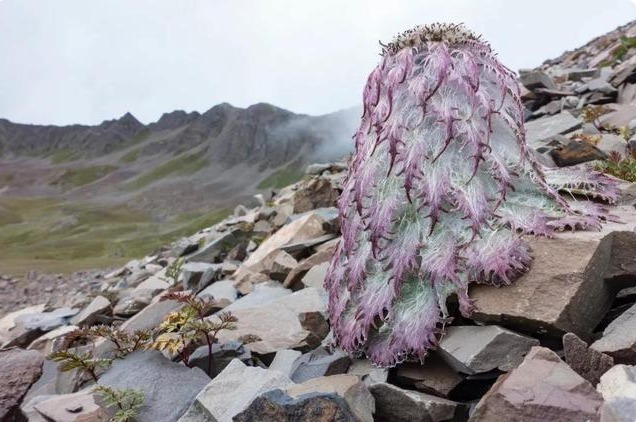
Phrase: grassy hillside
[53,236]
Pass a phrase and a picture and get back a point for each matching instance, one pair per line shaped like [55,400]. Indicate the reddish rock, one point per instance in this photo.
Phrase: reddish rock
[543,388]
[19,369]
[576,153]
[318,193]
[587,362]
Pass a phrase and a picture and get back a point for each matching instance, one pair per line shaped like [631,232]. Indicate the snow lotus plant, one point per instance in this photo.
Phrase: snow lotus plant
[440,188]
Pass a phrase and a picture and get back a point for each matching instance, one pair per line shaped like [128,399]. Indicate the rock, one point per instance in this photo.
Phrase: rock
[213,251]
[19,369]
[77,407]
[588,363]
[131,305]
[613,143]
[245,279]
[153,285]
[536,79]
[184,246]
[542,388]
[232,391]
[89,315]
[289,322]
[393,404]
[624,72]
[301,269]
[319,363]
[277,406]
[317,168]
[576,74]
[29,327]
[315,277]
[620,271]
[563,291]
[8,322]
[618,388]
[304,228]
[45,342]
[478,349]
[152,315]
[546,127]
[348,387]
[619,338]
[318,193]
[169,388]
[367,372]
[262,294]
[301,248]
[222,355]
[220,290]
[240,211]
[276,265]
[576,153]
[599,85]
[198,275]
[432,377]
[620,117]
[285,361]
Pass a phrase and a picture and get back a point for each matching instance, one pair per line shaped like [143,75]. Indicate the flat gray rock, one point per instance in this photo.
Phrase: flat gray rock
[232,391]
[618,388]
[169,387]
[478,349]
[619,338]
[545,127]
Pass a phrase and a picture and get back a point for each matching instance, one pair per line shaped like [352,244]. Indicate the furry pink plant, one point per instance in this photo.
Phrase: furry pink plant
[439,191]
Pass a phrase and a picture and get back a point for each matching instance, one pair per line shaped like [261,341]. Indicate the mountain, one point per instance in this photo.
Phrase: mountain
[111,181]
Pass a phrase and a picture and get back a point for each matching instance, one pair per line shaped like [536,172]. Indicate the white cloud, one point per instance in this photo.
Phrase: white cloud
[65,61]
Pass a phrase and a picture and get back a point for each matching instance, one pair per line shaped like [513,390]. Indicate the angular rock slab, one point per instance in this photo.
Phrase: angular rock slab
[394,404]
[292,321]
[546,127]
[433,377]
[232,391]
[88,316]
[169,387]
[19,369]
[478,349]
[304,228]
[618,388]
[77,407]
[348,387]
[587,362]
[277,406]
[542,388]
[619,338]
[564,291]
[319,363]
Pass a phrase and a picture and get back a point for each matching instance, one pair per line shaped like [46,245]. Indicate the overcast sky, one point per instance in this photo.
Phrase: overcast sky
[83,61]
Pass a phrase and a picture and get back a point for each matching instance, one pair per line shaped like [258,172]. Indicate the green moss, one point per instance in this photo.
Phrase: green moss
[181,165]
[283,177]
[130,156]
[74,177]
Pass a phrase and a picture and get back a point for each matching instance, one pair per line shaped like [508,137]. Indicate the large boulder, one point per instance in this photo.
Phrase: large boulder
[565,289]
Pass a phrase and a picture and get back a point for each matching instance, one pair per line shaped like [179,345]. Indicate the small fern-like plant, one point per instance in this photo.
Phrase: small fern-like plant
[126,402]
[183,330]
[173,272]
[438,191]
[70,360]
[616,165]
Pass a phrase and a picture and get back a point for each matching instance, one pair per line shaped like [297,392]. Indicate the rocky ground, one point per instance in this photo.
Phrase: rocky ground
[559,344]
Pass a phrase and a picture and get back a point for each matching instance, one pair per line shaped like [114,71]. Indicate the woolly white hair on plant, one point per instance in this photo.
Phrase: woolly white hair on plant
[440,188]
